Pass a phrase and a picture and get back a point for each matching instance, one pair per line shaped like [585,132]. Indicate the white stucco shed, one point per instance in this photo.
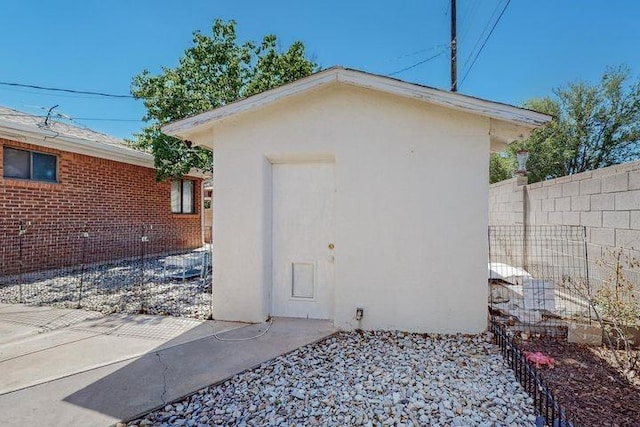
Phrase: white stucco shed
[348,190]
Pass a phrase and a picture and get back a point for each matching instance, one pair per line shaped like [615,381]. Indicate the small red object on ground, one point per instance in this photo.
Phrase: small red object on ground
[539,359]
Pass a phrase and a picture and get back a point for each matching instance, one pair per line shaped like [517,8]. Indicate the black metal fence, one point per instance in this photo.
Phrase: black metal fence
[546,405]
[538,277]
[121,268]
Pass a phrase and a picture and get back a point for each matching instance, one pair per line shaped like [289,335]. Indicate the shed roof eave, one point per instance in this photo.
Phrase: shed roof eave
[453,100]
[187,127]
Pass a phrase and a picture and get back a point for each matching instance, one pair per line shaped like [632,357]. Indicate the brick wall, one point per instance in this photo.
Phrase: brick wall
[605,201]
[90,192]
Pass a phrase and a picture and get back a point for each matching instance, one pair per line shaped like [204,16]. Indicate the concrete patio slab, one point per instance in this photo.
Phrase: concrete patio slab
[10,332]
[44,318]
[65,342]
[101,371]
[22,339]
[31,343]
[14,308]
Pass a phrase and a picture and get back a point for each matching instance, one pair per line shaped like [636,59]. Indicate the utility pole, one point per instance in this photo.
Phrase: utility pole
[454,49]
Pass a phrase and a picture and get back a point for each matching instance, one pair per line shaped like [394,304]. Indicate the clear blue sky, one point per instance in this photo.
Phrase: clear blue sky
[99,45]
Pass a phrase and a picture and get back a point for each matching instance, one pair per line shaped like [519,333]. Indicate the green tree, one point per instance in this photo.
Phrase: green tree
[500,167]
[215,71]
[594,126]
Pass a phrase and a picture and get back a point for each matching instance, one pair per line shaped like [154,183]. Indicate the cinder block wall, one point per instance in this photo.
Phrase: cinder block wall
[99,193]
[605,201]
[506,202]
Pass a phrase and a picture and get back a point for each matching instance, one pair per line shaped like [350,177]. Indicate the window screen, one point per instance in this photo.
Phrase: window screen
[24,164]
[44,167]
[187,196]
[16,163]
[176,196]
[182,196]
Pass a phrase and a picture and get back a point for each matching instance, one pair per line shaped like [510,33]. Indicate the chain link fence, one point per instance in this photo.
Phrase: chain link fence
[124,268]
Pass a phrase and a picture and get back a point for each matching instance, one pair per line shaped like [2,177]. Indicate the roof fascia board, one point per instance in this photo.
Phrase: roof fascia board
[453,100]
[54,140]
[190,124]
[527,118]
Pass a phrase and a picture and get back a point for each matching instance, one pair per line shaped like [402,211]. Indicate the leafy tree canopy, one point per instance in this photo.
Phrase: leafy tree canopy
[594,126]
[215,71]
[500,167]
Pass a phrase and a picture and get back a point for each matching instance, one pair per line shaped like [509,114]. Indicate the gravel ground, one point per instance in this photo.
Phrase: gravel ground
[113,288]
[370,378]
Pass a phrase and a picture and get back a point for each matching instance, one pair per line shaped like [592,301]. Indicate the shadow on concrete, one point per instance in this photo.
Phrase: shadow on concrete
[181,366]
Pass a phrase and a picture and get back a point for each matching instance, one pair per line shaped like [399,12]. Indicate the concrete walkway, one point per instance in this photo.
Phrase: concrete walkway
[73,367]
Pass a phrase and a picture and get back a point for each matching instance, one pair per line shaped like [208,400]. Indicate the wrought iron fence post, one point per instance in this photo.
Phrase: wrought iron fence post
[586,266]
[210,316]
[85,237]
[144,238]
[525,234]
[21,231]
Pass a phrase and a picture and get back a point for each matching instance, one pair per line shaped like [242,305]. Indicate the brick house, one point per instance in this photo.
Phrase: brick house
[57,177]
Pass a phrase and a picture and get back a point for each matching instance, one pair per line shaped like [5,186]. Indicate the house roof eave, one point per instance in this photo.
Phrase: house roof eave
[51,139]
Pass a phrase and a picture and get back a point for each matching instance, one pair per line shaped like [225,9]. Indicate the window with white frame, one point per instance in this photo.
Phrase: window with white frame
[31,165]
[182,196]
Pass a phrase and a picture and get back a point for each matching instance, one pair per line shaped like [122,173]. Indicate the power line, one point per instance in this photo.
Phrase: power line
[485,41]
[99,94]
[57,116]
[56,94]
[470,14]
[76,94]
[417,52]
[482,33]
[416,64]
[107,119]
[454,47]
[82,92]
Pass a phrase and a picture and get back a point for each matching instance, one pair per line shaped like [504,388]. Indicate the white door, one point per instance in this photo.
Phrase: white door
[302,237]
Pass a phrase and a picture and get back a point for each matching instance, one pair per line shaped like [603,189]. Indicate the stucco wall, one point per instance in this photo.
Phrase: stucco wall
[411,208]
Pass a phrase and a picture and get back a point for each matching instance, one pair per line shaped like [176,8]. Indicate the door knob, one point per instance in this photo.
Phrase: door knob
[331,246]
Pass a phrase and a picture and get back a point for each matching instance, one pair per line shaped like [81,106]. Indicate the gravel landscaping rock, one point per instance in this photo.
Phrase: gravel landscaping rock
[119,287]
[365,379]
